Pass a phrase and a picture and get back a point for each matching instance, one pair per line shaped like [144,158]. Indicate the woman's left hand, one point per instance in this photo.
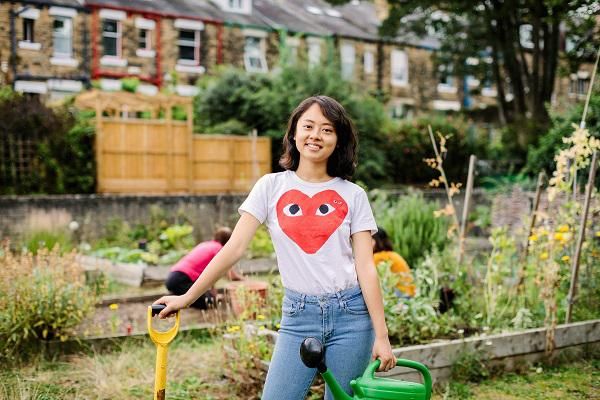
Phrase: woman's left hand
[382,350]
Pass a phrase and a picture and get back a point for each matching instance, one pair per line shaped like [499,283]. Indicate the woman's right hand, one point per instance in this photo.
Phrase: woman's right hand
[172,303]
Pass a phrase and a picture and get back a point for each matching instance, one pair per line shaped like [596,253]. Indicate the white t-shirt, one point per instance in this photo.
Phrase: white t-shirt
[310,225]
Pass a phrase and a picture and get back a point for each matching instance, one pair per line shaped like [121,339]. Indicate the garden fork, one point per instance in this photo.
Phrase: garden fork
[162,340]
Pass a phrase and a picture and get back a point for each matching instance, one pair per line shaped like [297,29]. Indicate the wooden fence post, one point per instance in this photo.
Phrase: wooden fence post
[99,145]
[169,172]
[190,153]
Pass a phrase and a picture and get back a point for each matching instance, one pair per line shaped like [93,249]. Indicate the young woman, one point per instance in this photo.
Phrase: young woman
[321,226]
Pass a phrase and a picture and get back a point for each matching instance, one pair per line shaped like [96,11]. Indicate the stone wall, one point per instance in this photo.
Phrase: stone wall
[22,214]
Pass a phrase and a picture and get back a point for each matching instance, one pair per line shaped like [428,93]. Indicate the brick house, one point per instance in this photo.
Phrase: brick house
[44,46]
[59,46]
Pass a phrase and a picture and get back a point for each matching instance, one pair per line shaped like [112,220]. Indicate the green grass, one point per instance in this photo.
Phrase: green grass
[127,373]
[194,372]
[580,380]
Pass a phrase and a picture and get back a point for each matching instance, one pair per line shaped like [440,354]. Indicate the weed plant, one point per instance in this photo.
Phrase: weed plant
[42,297]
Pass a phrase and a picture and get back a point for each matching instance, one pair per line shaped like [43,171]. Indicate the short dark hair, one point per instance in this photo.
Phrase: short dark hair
[222,235]
[382,241]
[342,162]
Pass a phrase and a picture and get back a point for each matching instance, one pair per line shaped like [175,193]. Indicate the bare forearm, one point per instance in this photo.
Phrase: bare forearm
[369,283]
[218,266]
[226,258]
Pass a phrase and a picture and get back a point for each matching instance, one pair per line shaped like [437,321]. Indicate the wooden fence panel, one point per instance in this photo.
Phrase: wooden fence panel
[152,156]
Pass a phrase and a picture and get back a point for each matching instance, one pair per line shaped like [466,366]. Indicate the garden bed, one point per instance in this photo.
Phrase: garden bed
[136,274]
[505,350]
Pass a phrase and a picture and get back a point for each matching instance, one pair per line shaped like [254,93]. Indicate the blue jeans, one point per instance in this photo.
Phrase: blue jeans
[340,321]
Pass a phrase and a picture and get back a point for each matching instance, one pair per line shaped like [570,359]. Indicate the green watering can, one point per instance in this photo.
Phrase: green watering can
[368,386]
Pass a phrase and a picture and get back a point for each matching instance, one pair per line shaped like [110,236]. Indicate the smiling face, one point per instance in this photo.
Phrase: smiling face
[315,136]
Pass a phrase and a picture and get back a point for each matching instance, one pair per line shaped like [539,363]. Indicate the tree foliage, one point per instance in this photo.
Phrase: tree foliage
[43,149]
[515,44]
[264,102]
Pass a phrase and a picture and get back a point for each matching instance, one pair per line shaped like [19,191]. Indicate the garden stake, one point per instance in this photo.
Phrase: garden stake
[368,386]
[162,340]
[581,237]
[466,205]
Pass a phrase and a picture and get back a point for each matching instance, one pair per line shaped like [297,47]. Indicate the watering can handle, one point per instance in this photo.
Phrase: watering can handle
[401,362]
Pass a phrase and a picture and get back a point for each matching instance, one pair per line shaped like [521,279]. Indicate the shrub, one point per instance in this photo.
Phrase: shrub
[35,241]
[409,143]
[264,102]
[60,142]
[410,222]
[261,244]
[42,297]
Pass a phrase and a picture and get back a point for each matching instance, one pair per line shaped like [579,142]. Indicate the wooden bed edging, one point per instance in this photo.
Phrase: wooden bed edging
[506,350]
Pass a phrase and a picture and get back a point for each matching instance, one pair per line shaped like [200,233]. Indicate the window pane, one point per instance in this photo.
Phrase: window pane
[109,26]
[399,67]
[255,62]
[62,36]
[187,35]
[314,54]
[28,30]
[252,43]
[187,53]
[143,39]
[110,46]
[347,61]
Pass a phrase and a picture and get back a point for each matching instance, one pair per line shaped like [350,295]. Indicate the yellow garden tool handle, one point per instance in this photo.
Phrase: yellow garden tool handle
[162,340]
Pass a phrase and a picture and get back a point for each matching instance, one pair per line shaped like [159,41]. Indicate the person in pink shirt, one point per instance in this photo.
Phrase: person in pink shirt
[185,272]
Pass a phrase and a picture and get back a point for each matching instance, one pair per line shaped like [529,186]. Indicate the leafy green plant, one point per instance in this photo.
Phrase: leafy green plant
[261,244]
[417,320]
[60,139]
[247,344]
[37,240]
[411,224]
[130,84]
[470,366]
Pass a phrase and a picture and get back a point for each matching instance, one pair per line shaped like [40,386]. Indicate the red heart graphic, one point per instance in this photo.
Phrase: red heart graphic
[310,221]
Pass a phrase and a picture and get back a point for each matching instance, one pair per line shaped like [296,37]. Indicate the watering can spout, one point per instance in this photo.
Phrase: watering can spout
[313,356]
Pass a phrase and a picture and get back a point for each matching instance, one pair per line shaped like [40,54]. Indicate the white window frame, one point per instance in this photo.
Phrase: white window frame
[448,86]
[236,6]
[68,37]
[255,53]
[28,34]
[313,51]
[369,61]
[188,43]
[147,25]
[31,14]
[147,39]
[399,63]
[526,36]
[347,60]
[293,44]
[118,36]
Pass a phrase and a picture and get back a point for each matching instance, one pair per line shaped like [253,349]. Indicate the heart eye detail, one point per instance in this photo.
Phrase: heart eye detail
[325,209]
[292,210]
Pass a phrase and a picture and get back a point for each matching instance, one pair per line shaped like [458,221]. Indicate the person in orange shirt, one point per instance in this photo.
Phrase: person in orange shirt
[383,251]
